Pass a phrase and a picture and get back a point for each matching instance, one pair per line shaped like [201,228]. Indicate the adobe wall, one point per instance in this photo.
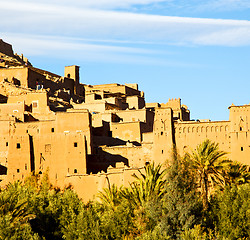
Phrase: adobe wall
[127,131]
[189,134]
[132,115]
[17,76]
[135,102]
[38,101]
[76,121]
[163,135]
[136,156]
[240,133]
[18,157]
[88,186]
[62,153]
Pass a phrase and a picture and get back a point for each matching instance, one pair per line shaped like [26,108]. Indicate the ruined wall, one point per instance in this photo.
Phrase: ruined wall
[17,76]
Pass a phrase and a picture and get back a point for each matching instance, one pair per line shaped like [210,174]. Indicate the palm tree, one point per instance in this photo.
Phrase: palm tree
[208,161]
[11,204]
[110,196]
[236,173]
[147,186]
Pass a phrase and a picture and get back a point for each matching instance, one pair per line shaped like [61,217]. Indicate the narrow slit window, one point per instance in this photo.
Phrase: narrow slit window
[18,145]
[242,149]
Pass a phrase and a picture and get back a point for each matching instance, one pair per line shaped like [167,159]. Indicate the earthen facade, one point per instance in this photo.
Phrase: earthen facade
[85,134]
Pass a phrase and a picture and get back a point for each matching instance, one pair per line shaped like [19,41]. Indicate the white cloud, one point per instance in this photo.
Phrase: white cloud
[96,4]
[113,28]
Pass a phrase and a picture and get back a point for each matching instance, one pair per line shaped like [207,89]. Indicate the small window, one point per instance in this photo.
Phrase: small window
[161,133]
[18,170]
[52,130]
[240,128]
[75,170]
[75,144]
[7,144]
[162,151]
[18,145]
[48,148]
[27,131]
[68,75]
[26,167]
[241,148]
[34,104]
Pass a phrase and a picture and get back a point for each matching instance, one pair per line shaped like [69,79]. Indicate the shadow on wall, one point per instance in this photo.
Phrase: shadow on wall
[3,170]
[102,160]
[108,141]
[3,99]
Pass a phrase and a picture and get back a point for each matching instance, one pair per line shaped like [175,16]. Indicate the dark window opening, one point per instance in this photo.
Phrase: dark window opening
[18,145]
[162,151]
[97,97]
[241,148]
[240,128]
[26,167]
[40,172]
[7,144]
[75,170]
[161,133]
[27,131]
[52,130]
[18,170]
[68,75]
[75,144]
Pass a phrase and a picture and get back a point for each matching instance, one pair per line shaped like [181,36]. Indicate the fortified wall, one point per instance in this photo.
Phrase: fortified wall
[89,135]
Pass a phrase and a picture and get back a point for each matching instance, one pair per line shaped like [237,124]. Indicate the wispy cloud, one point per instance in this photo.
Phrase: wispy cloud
[96,4]
[118,31]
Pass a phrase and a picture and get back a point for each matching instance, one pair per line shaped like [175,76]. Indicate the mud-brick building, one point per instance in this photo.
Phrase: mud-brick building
[85,134]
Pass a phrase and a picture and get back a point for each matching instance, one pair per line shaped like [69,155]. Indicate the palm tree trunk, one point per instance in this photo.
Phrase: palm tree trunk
[204,190]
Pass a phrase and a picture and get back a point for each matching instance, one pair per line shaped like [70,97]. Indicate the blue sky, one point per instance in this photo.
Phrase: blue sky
[197,50]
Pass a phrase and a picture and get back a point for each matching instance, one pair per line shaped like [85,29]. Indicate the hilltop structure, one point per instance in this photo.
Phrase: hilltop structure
[86,134]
